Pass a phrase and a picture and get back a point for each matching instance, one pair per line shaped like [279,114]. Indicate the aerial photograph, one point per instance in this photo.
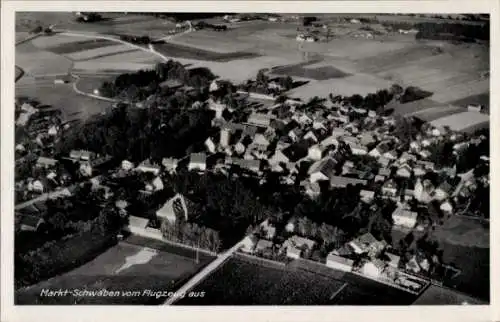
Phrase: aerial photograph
[198,158]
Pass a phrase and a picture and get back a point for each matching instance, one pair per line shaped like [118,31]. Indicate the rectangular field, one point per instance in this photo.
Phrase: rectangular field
[317,73]
[67,48]
[99,52]
[243,282]
[180,51]
[135,266]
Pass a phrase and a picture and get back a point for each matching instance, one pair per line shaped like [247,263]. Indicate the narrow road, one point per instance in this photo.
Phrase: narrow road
[206,271]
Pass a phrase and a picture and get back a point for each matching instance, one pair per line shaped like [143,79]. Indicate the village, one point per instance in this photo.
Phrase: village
[319,149]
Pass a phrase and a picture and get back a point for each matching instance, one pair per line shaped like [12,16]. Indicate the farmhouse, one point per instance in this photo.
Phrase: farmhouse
[170,164]
[338,262]
[44,162]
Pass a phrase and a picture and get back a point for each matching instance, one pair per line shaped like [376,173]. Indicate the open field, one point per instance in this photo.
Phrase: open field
[245,281]
[44,42]
[35,61]
[134,265]
[100,51]
[63,97]
[135,56]
[482,99]
[241,282]
[313,71]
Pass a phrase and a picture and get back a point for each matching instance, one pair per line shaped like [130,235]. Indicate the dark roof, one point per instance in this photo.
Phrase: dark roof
[297,150]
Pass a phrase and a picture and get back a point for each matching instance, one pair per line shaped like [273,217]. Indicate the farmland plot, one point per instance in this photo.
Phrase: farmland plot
[132,56]
[67,48]
[116,65]
[462,90]
[56,40]
[98,52]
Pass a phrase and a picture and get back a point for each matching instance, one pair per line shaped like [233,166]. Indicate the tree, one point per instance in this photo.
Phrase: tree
[262,79]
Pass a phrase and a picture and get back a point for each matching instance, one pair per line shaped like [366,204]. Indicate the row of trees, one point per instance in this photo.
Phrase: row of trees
[192,234]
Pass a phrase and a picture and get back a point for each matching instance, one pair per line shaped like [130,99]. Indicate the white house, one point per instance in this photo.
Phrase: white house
[393,260]
[404,171]
[338,262]
[249,243]
[404,218]
[197,161]
[446,207]
[316,152]
[373,268]
[443,191]
[357,149]
[170,164]
[367,196]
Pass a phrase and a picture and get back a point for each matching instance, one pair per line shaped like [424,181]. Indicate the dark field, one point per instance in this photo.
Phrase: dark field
[435,295]
[72,47]
[165,271]
[482,99]
[243,281]
[318,73]
[180,51]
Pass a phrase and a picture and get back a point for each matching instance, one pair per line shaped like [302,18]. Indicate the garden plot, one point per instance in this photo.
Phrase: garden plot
[99,52]
[210,41]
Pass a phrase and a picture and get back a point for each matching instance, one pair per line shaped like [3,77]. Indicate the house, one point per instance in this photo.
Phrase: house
[53,130]
[148,167]
[251,165]
[405,157]
[415,146]
[210,145]
[295,245]
[404,218]
[342,182]
[175,208]
[367,196]
[425,154]
[413,266]
[249,243]
[323,169]
[389,189]
[338,262]
[268,229]
[339,132]
[363,243]
[260,142]
[383,161]
[316,152]
[443,191]
[293,252]
[357,149]
[423,190]
[137,224]
[43,162]
[379,178]
[404,171]
[260,119]
[391,155]
[85,169]
[446,207]
[393,260]
[155,185]
[474,108]
[310,135]
[263,245]
[197,161]
[313,190]
[278,157]
[170,164]
[30,222]
[127,165]
[367,139]
[82,155]
[295,134]
[37,186]
[374,268]
[419,171]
